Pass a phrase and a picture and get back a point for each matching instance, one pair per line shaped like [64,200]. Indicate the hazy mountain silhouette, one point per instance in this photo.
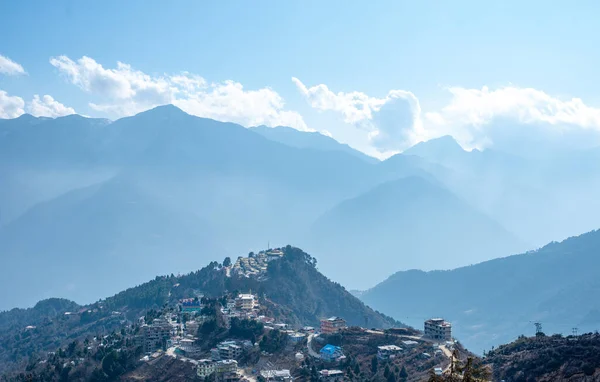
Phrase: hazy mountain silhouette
[308,140]
[495,301]
[516,190]
[162,190]
[403,224]
[68,185]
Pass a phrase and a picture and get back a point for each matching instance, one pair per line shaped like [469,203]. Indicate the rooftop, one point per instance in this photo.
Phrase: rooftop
[389,348]
[330,349]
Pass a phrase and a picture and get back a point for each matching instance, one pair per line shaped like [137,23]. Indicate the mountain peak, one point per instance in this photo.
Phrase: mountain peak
[168,110]
[446,143]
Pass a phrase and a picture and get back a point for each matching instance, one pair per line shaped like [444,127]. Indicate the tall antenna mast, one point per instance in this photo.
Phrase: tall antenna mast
[538,328]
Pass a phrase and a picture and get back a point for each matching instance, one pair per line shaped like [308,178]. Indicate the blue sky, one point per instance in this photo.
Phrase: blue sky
[534,57]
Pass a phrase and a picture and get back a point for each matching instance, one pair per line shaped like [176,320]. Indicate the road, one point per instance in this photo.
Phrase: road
[311,352]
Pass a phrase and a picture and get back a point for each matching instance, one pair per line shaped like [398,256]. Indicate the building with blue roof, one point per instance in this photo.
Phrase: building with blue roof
[331,352]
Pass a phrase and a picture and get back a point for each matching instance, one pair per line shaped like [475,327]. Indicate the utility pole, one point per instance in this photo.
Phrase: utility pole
[574,331]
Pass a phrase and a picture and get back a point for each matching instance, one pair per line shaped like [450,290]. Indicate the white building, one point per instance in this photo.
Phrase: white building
[331,375]
[205,368]
[245,302]
[438,329]
[388,351]
[276,375]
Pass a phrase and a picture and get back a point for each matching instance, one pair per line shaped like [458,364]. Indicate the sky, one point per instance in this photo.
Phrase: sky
[378,75]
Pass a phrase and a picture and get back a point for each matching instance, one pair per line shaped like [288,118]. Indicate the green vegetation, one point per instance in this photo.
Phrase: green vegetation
[554,357]
[273,341]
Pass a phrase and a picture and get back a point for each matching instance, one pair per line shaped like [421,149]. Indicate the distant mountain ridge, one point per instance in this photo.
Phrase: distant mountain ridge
[308,140]
[152,190]
[226,189]
[497,300]
[397,218]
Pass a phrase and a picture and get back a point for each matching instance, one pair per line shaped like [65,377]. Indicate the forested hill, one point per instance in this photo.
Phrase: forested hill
[292,290]
[547,358]
[293,284]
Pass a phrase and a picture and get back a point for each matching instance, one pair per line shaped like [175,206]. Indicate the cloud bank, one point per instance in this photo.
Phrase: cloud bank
[476,118]
[47,106]
[10,106]
[124,91]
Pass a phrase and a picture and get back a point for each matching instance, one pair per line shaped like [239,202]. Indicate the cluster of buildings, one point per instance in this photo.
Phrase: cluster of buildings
[255,265]
[438,329]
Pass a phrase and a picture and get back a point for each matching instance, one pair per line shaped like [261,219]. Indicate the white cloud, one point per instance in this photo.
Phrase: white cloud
[476,118]
[124,91]
[9,67]
[472,113]
[47,106]
[10,106]
[392,122]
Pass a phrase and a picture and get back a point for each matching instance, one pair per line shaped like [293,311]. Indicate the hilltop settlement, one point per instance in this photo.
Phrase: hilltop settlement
[269,316]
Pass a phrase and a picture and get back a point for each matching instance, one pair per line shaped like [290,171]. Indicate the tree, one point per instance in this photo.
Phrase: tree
[467,372]
[374,365]
[227,262]
[386,371]
[403,374]
[391,377]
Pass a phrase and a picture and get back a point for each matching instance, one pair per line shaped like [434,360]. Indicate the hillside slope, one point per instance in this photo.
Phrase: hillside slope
[293,292]
[495,301]
[404,224]
[548,358]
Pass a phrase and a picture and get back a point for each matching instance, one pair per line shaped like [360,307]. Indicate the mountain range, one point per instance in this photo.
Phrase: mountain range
[164,191]
[495,301]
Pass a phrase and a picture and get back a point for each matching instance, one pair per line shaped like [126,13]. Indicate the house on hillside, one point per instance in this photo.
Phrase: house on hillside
[190,305]
[245,302]
[330,353]
[332,325]
[331,375]
[438,329]
[205,367]
[388,351]
[276,375]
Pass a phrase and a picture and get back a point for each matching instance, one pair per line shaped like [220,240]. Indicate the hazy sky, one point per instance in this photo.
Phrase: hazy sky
[379,75]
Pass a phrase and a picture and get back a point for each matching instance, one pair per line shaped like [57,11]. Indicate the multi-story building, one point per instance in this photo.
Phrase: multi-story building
[388,351]
[155,335]
[226,366]
[229,350]
[205,368]
[438,329]
[332,325]
[245,302]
